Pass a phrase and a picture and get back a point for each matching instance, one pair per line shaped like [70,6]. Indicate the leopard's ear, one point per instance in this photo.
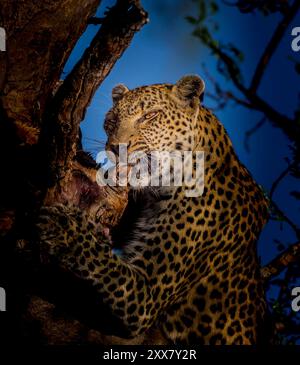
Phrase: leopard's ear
[189,88]
[118,92]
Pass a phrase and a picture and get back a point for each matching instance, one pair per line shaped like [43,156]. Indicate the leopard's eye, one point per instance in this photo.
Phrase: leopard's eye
[151,115]
[148,116]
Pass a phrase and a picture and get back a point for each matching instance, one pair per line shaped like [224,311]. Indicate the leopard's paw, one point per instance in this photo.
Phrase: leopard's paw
[56,229]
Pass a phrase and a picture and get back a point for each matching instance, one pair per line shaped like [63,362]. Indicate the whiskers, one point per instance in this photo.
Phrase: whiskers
[94,141]
[93,145]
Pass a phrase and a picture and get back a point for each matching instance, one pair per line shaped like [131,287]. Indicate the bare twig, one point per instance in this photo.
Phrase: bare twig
[284,217]
[238,100]
[282,175]
[251,131]
[273,45]
[222,97]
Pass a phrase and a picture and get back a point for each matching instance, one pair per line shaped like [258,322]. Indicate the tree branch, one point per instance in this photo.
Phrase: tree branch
[253,130]
[221,97]
[273,45]
[230,65]
[74,95]
[287,125]
[283,217]
[282,175]
[289,256]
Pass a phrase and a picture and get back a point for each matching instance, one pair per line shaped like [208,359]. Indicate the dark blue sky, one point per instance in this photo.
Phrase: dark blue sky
[164,50]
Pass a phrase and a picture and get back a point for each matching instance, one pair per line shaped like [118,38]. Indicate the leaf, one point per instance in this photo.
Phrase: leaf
[277,307]
[191,19]
[204,35]
[214,8]
[202,10]
[236,52]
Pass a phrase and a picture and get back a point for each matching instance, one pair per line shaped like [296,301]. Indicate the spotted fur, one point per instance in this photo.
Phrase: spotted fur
[190,265]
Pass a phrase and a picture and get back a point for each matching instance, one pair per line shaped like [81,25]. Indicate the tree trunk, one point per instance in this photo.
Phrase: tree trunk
[39,131]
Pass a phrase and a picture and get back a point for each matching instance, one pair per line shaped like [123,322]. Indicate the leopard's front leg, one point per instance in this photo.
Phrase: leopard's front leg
[79,246]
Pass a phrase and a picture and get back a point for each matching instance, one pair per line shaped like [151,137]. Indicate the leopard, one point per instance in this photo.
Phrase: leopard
[189,266]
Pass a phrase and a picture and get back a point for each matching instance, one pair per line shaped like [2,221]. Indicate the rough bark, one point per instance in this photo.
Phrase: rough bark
[40,38]
[39,138]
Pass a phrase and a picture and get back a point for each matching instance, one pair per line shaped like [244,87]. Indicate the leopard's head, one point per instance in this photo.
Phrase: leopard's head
[160,117]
